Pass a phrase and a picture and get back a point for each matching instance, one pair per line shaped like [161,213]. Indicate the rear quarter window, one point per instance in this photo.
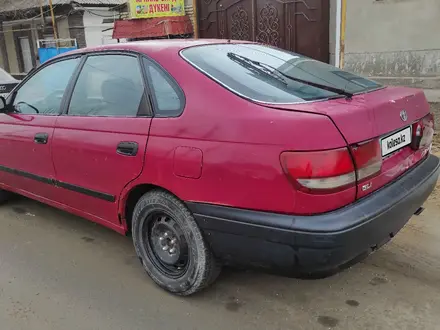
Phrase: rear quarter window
[168,97]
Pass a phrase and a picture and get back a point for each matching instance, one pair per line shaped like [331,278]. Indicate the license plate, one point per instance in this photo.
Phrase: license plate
[396,141]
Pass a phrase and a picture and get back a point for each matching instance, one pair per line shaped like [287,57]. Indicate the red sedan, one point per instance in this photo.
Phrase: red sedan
[215,152]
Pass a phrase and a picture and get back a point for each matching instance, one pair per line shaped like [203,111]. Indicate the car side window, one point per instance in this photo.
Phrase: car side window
[108,85]
[43,92]
[168,98]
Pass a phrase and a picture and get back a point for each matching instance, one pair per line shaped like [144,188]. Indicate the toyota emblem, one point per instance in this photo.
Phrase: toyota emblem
[403,115]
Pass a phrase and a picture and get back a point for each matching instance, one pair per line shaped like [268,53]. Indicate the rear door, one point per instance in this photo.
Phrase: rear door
[99,143]
[26,133]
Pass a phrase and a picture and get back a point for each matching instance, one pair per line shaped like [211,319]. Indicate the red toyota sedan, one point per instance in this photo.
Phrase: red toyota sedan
[216,152]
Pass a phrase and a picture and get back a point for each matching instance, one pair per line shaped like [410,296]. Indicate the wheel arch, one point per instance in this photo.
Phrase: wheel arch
[129,199]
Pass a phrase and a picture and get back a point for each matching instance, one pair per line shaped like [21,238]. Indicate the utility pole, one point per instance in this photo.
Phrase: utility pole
[54,25]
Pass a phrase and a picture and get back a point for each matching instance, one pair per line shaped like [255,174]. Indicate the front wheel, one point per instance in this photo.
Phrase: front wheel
[170,245]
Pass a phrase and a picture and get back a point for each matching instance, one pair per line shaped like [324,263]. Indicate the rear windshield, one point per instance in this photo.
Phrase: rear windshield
[259,73]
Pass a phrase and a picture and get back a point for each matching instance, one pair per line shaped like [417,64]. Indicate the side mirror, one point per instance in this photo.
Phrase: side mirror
[3,107]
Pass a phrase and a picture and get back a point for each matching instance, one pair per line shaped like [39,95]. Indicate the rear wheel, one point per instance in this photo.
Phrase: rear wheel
[171,246]
[4,196]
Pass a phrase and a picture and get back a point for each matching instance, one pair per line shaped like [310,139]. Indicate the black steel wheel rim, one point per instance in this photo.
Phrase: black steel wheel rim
[166,244]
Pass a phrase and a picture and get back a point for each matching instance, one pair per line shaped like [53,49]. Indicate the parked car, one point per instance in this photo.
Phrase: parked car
[214,152]
[7,83]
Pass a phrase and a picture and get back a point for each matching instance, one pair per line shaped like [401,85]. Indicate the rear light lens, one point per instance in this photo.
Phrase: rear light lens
[368,159]
[320,171]
[332,170]
[423,133]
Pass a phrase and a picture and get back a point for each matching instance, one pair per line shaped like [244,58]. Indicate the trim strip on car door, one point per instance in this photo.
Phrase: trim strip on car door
[85,191]
[26,175]
[68,186]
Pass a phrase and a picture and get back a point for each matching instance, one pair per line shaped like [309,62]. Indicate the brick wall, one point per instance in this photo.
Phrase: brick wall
[76,27]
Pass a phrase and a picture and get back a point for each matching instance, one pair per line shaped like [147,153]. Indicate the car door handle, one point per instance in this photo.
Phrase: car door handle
[41,138]
[127,148]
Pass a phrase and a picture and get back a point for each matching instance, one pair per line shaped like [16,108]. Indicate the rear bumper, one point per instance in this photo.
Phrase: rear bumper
[320,243]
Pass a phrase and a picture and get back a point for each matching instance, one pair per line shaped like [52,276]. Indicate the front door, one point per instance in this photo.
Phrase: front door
[99,144]
[26,133]
[300,26]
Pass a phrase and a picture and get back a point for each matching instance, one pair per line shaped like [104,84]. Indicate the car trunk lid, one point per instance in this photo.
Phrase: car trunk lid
[369,115]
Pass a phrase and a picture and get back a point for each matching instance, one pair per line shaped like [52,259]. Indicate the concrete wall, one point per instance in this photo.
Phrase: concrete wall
[96,32]
[189,10]
[63,28]
[2,64]
[394,41]
[33,40]
[10,47]
[3,50]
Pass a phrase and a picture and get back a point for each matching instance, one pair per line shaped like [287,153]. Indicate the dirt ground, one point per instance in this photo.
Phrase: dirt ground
[58,271]
[435,109]
[436,150]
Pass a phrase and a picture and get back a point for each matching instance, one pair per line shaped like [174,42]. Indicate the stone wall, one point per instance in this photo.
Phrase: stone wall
[396,42]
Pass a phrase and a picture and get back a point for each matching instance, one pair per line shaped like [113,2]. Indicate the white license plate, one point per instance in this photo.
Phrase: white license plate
[396,141]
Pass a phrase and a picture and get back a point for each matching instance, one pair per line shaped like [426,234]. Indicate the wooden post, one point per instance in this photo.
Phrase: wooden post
[196,23]
[54,24]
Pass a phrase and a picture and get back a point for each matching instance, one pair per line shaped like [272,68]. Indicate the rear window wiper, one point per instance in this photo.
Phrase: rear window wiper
[258,69]
[336,90]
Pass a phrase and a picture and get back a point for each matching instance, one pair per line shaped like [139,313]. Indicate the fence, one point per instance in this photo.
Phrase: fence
[48,48]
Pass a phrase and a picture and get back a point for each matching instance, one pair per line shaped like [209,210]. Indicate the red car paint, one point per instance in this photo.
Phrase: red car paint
[222,150]
[372,115]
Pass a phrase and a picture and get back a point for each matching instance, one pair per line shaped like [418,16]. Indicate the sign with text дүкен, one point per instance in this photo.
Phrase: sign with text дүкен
[156,8]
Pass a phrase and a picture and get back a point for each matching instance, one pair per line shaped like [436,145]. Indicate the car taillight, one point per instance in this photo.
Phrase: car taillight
[423,133]
[320,171]
[368,159]
[332,170]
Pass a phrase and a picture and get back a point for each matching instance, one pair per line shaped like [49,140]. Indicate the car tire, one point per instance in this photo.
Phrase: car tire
[171,246]
[4,196]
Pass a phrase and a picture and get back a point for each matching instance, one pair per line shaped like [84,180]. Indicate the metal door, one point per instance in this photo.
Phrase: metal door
[301,26]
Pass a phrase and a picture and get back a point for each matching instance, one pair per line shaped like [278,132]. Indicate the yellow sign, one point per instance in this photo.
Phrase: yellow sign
[156,8]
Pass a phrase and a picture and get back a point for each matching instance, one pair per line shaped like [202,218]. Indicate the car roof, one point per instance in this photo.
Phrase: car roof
[152,46]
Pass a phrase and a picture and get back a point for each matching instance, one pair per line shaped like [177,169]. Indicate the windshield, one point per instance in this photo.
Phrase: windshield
[262,73]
